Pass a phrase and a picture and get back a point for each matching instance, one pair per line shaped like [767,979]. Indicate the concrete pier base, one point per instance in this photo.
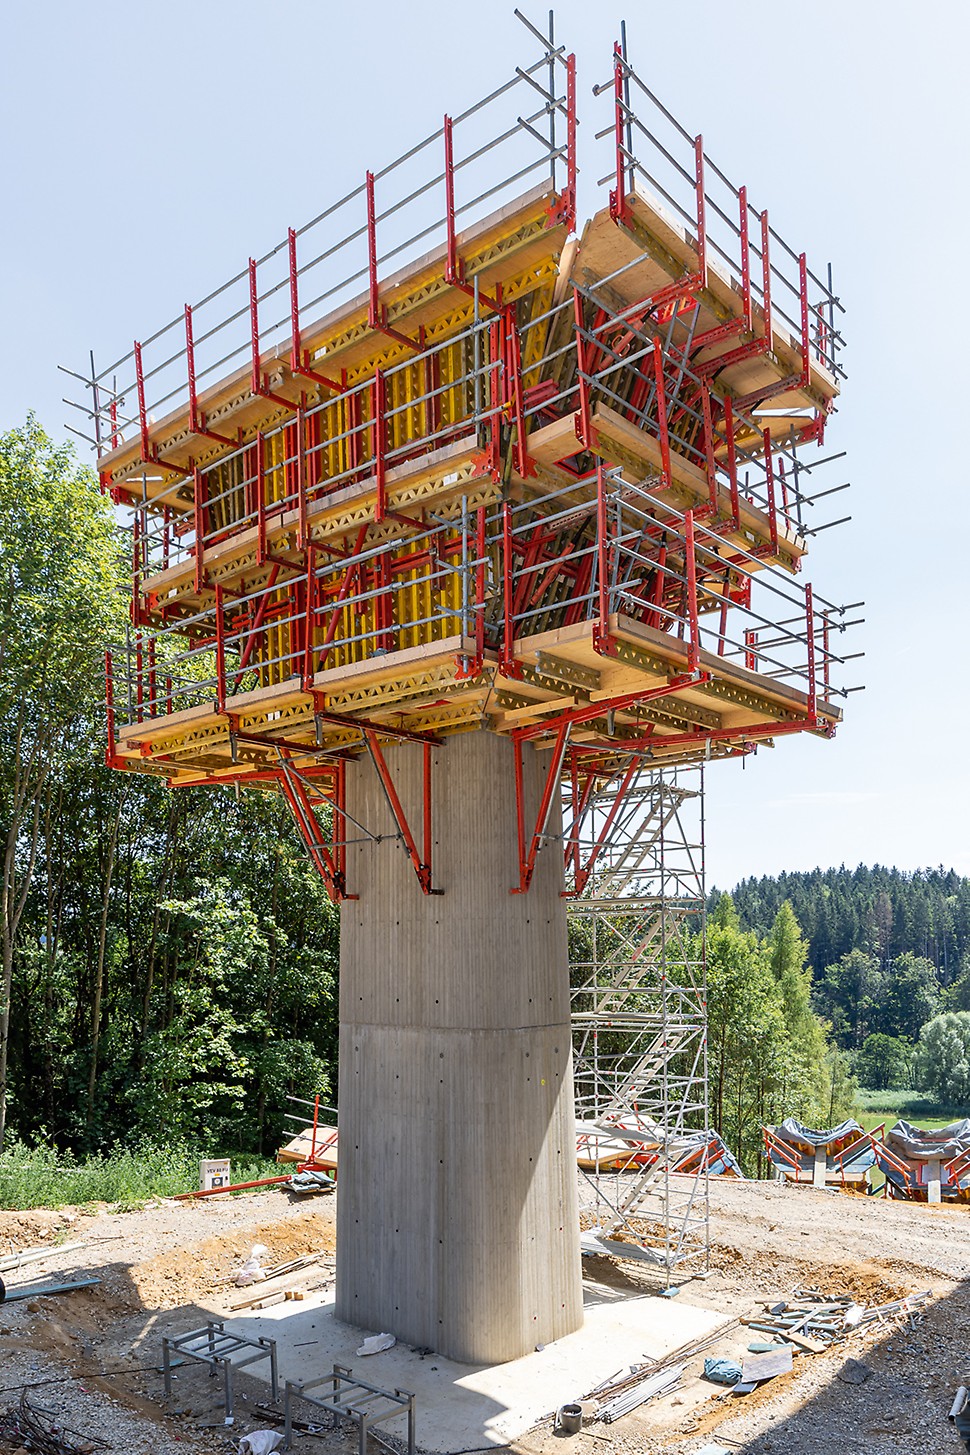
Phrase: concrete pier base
[457,1214]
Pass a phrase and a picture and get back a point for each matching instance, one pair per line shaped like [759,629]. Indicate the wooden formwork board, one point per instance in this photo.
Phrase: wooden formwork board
[422,689]
[514,246]
[654,250]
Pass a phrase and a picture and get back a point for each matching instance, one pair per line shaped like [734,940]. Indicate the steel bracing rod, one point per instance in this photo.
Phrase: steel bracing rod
[528,852]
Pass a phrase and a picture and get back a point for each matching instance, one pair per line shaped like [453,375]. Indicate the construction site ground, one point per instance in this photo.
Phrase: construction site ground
[92,1358]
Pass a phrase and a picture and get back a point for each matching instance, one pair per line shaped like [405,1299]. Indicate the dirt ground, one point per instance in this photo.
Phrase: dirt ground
[91,1358]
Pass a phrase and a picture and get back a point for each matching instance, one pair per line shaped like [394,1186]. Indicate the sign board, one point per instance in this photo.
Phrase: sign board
[214,1173]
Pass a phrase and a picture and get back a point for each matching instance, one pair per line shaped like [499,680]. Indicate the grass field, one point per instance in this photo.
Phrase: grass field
[910,1106]
[43,1177]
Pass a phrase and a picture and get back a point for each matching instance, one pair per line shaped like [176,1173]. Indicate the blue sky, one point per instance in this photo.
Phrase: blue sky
[149,149]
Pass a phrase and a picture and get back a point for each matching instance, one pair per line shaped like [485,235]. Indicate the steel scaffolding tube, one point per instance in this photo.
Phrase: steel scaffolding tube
[639,1012]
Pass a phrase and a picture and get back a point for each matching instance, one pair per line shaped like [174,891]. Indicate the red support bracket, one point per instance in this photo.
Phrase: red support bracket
[197,420]
[421,866]
[298,799]
[583,871]
[527,856]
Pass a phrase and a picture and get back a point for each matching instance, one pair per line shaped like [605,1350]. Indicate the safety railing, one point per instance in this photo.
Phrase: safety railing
[521,135]
[652,150]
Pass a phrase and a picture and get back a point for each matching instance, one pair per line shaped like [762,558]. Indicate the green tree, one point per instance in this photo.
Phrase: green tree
[942,1061]
[59,602]
[884,1062]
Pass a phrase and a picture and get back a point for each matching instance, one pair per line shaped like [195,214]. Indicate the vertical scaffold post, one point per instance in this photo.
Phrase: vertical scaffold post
[507,663]
[690,561]
[602,631]
[198,481]
[220,652]
[662,428]
[810,638]
[378,404]
[770,485]
[732,462]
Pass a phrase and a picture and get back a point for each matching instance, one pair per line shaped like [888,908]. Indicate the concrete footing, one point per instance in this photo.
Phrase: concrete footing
[457,1203]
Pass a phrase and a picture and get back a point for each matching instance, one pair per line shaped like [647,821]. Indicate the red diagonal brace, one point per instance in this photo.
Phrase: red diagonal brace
[422,868]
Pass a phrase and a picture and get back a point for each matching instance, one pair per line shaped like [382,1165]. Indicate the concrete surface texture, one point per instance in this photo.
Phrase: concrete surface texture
[460,1406]
[457,1190]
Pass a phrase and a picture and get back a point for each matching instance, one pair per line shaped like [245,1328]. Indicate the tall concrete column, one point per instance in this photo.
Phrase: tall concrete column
[458,1226]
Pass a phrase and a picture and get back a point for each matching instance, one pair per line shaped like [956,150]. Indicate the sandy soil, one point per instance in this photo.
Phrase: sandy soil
[92,1357]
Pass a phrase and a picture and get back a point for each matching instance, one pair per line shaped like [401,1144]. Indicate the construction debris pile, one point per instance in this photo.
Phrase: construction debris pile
[30,1427]
[812,1321]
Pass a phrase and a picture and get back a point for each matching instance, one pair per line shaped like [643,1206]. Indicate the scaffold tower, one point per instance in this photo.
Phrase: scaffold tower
[444,501]
[639,1013]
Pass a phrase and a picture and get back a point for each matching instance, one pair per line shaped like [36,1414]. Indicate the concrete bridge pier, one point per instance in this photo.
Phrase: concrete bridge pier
[457,1214]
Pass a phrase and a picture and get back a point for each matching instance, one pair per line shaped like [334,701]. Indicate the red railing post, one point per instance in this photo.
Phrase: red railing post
[766,278]
[701,210]
[618,198]
[745,259]
[806,340]
[146,448]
